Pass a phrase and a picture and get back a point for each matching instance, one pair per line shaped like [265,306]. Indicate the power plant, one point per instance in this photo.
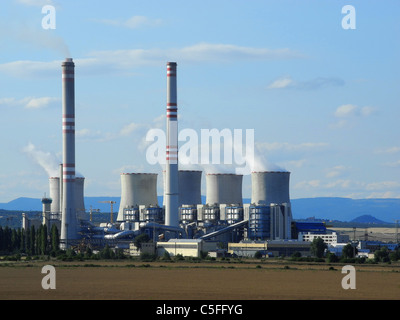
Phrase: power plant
[223,217]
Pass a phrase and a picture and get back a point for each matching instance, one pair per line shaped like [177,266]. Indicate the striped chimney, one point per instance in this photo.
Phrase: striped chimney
[68,221]
[171,170]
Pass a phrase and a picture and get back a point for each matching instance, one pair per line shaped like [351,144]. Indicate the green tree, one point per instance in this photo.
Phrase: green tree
[382,255]
[1,239]
[142,238]
[44,240]
[14,240]
[22,240]
[166,256]
[394,256]
[28,238]
[331,257]
[349,251]
[55,239]
[296,254]
[32,241]
[88,253]
[7,239]
[106,253]
[318,247]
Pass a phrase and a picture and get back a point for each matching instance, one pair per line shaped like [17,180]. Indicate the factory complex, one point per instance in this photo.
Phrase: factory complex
[182,224]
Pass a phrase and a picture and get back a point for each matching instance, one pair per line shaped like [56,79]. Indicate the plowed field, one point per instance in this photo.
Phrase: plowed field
[197,281]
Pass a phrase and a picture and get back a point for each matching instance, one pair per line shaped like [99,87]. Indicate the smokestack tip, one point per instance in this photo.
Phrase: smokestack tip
[68,61]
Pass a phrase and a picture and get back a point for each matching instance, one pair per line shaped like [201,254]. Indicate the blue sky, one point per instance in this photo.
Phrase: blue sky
[323,101]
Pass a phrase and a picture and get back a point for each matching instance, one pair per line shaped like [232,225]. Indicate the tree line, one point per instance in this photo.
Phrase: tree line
[32,241]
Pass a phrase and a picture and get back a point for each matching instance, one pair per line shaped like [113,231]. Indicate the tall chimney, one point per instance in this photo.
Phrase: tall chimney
[68,221]
[171,172]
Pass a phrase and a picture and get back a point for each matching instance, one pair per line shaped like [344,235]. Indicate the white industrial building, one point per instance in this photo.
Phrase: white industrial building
[184,247]
[333,238]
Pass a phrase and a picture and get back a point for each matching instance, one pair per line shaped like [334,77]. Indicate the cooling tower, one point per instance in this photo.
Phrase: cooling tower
[224,189]
[270,187]
[79,196]
[69,226]
[137,189]
[171,169]
[54,184]
[189,187]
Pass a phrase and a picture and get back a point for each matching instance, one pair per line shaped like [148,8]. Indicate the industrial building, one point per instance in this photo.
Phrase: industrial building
[270,248]
[329,238]
[182,221]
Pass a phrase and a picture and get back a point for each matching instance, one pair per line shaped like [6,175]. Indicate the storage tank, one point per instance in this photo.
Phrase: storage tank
[270,187]
[137,189]
[54,186]
[224,189]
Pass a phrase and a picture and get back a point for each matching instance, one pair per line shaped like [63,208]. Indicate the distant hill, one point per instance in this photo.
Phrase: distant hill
[342,209]
[23,204]
[366,218]
[346,209]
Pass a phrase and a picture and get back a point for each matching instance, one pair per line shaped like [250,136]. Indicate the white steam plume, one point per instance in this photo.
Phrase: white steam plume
[46,160]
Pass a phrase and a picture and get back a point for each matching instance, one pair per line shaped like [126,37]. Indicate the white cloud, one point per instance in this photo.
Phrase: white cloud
[129,128]
[36,103]
[389,150]
[382,185]
[349,110]
[281,83]
[123,61]
[295,163]
[36,3]
[393,164]
[133,22]
[100,136]
[341,183]
[29,102]
[384,195]
[267,146]
[335,171]
[26,68]
[346,112]
[288,83]
[308,184]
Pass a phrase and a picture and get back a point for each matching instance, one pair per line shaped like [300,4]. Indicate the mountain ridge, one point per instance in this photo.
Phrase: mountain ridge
[332,208]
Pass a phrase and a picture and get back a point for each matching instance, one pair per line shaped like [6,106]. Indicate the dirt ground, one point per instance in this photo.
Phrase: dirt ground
[198,281]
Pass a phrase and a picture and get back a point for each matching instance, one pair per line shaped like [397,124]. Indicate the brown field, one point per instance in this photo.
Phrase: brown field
[374,234]
[198,281]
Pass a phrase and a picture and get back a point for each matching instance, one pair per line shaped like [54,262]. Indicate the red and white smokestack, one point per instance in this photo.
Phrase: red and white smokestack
[69,229]
[171,170]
